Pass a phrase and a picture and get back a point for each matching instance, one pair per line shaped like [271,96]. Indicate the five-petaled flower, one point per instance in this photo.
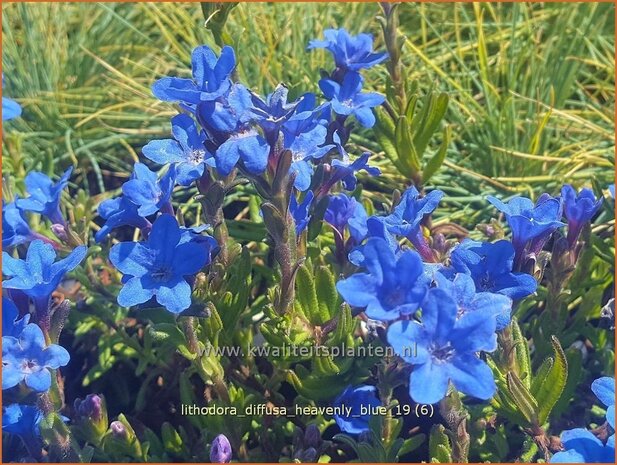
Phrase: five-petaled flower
[38,276]
[159,266]
[578,209]
[273,111]
[530,222]
[149,193]
[406,219]
[463,291]
[344,211]
[27,358]
[187,150]
[444,348]
[347,100]
[210,78]
[490,265]
[393,286]
[117,212]
[306,147]
[349,52]
[44,195]
[357,398]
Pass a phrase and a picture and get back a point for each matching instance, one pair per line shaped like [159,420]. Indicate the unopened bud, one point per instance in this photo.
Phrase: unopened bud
[90,407]
[220,451]
[118,430]
[60,232]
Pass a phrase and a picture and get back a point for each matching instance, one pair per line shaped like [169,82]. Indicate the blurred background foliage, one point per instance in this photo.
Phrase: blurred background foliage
[531,86]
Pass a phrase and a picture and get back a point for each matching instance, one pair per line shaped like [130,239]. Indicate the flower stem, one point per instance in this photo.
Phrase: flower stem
[285,254]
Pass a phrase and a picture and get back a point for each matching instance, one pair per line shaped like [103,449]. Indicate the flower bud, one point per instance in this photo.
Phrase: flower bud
[118,430]
[220,451]
[60,232]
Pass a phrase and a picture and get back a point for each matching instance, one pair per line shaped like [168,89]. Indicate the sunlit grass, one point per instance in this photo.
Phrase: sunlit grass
[531,85]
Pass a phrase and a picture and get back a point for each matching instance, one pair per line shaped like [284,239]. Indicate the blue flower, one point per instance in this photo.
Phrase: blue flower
[38,276]
[274,111]
[210,78]
[356,398]
[490,266]
[227,115]
[345,170]
[391,288]
[604,389]
[349,52]
[305,147]
[407,216]
[528,221]
[306,117]
[44,195]
[158,266]
[375,227]
[443,348]
[15,228]
[611,190]
[583,447]
[21,420]
[194,235]
[117,212]
[149,193]
[578,209]
[187,151]
[27,358]
[12,325]
[300,212]
[344,211]
[462,290]
[246,146]
[10,109]
[346,98]
[406,219]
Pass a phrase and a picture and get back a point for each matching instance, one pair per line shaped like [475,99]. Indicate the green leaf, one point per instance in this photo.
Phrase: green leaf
[405,146]
[412,444]
[439,445]
[433,112]
[325,286]
[171,439]
[523,360]
[553,384]
[306,295]
[384,131]
[525,402]
[438,158]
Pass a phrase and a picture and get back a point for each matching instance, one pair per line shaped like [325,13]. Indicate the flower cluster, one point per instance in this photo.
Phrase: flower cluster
[226,130]
[30,359]
[443,313]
